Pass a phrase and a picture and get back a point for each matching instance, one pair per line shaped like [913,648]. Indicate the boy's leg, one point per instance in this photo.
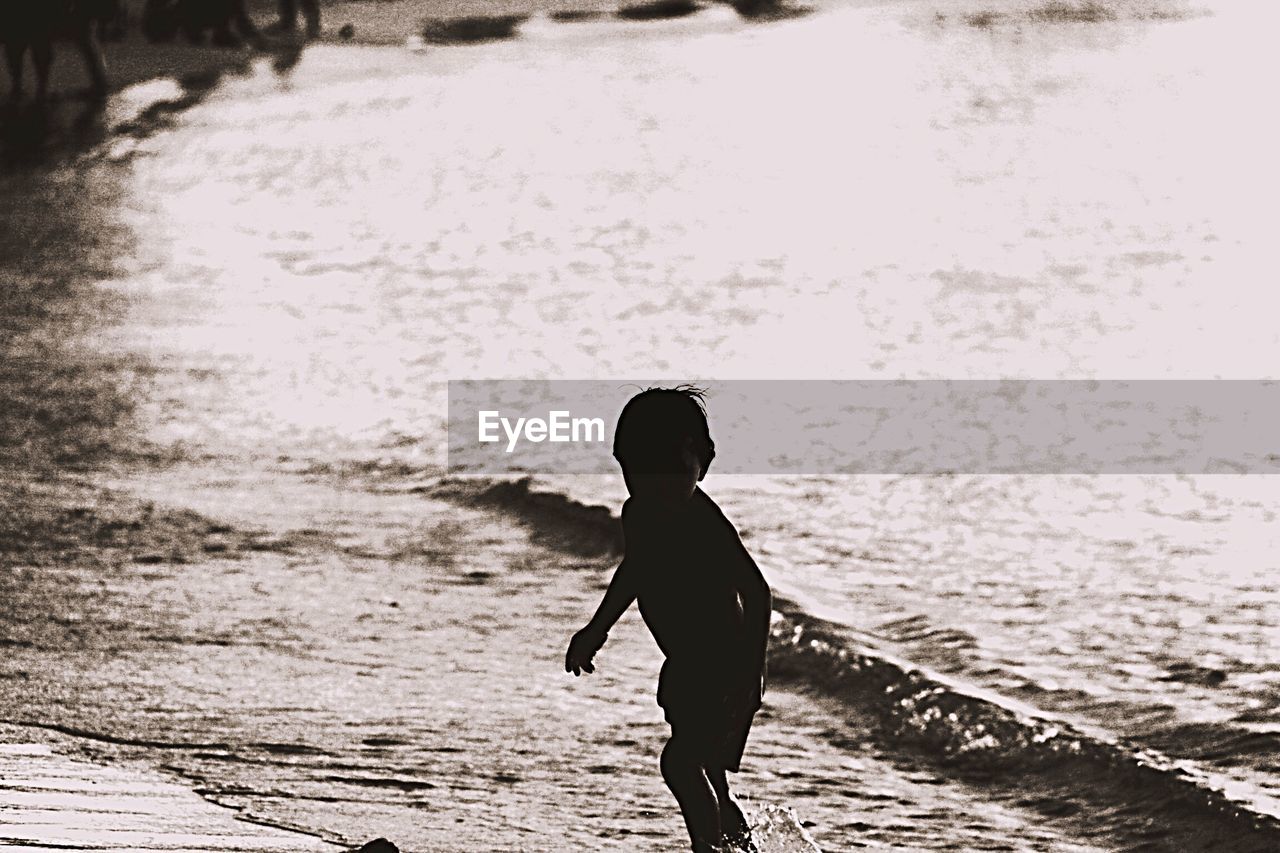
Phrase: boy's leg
[698,803]
[729,757]
[732,821]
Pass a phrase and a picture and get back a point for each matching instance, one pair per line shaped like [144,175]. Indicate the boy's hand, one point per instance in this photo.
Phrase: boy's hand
[582,648]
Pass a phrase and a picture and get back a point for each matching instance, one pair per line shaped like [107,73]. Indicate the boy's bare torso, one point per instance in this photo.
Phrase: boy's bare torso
[687,563]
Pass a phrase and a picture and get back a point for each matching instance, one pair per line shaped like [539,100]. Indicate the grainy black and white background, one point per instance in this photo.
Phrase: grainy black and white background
[242,607]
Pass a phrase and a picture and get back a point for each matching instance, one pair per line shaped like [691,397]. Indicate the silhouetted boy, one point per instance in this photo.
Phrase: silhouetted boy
[701,596]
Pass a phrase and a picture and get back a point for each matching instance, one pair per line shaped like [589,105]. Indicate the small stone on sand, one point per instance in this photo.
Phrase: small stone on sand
[379,845]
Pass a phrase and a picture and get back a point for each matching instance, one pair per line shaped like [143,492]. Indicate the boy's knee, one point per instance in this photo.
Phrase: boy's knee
[678,763]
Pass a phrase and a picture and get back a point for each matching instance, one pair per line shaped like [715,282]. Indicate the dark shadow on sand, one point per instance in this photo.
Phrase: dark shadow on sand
[765,11]
[1060,12]
[62,406]
[37,135]
[66,407]
[477,30]
[571,16]
[484,29]
[33,134]
[659,10]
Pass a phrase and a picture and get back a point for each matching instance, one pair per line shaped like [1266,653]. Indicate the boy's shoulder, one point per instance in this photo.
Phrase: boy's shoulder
[700,508]
[703,501]
[709,512]
[702,517]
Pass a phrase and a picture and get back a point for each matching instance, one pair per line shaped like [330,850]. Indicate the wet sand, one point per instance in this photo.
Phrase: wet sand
[366,662]
[52,800]
[132,60]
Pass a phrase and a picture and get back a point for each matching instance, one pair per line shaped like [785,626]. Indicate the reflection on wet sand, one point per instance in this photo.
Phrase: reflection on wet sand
[61,405]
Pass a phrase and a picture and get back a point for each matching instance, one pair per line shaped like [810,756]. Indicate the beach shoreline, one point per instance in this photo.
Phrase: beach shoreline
[223,560]
[55,798]
[132,60]
[68,641]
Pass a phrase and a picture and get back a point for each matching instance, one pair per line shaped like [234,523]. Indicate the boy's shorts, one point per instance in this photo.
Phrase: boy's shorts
[700,716]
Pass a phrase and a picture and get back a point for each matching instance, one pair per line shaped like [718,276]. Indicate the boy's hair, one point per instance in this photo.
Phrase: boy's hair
[657,418]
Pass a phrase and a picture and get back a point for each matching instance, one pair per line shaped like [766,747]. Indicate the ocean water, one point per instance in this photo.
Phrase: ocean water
[913,190]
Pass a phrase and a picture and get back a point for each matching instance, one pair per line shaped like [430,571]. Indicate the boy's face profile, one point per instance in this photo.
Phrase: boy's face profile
[666,474]
[663,444]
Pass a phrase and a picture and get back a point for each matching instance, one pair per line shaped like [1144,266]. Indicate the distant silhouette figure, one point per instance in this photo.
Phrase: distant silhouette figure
[289,16]
[164,19]
[702,597]
[35,25]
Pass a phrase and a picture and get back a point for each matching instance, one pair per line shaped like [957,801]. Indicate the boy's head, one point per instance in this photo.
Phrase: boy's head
[663,442]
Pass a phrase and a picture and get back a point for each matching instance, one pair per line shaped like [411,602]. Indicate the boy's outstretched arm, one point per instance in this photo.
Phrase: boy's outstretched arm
[617,598]
[638,537]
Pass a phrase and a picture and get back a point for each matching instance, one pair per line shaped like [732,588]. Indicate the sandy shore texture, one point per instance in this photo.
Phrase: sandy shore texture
[49,800]
[132,60]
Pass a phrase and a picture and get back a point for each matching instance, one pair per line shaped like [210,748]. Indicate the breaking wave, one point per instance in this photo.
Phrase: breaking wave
[1108,786]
